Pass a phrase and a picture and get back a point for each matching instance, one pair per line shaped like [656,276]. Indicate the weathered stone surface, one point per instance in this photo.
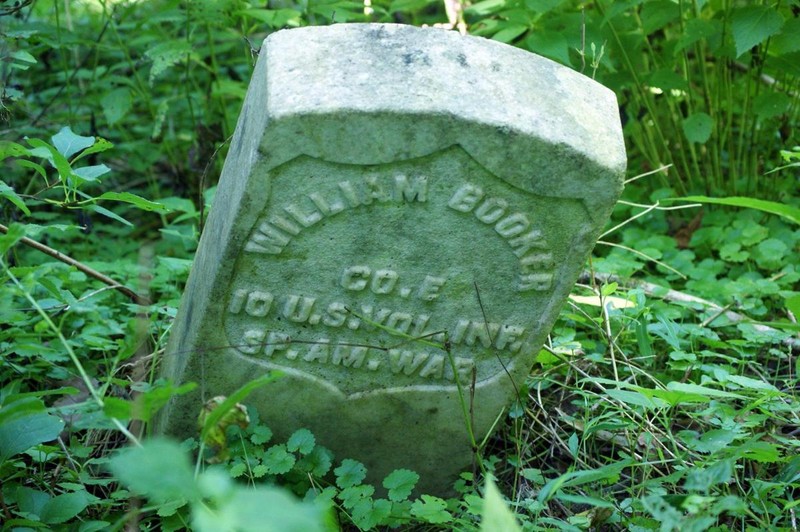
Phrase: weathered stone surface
[402,210]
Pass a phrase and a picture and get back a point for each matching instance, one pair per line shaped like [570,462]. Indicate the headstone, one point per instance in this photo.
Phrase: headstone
[402,213]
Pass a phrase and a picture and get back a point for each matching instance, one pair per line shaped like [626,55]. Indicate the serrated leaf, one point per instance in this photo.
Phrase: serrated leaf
[261,435]
[133,199]
[753,25]
[277,460]
[400,483]
[68,143]
[167,54]
[431,510]
[350,473]
[302,441]
[238,469]
[8,193]
[698,127]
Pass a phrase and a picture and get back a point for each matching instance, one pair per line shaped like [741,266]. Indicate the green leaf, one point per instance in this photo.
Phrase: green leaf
[787,211]
[277,460]
[62,508]
[753,25]
[350,473]
[497,516]
[431,510]
[108,214]
[8,193]
[116,105]
[793,304]
[771,104]
[302,441]
[22,60]
[12,149]
[698,127]
[159,470]
[68,143]
[133,199]
[267,509]
[400,483]
[25,423]
[167,54]
[52,154]
[509,32]
[770,254]
[100,145]
[8,240]
[261,435]
[91,173]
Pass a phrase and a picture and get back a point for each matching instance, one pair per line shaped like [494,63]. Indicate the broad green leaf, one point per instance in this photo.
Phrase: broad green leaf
[263,509]
[786,41]
[657,14]
[771,104]
[116,105]
[751,384]
[400,483]
[12,149]
[167,54]
[52,154]
[159,469]
[22,60]
[68,143]
[62,508]
[133,199]
[793,304]
[509,32]
[697,29]
[753,25]
[781,209]
[8,240]
[91,173]
[25,423]
[431,509]
[485,7]
[551,44]
[496,516]
[8,193]
[350,473]
[302,441]
[100,145]
[698,127]
[38,168]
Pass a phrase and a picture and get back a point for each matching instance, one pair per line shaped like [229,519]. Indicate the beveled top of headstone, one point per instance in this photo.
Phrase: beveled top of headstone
[402,211]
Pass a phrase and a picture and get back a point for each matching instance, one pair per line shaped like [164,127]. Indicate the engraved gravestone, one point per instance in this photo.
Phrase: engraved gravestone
[402,213]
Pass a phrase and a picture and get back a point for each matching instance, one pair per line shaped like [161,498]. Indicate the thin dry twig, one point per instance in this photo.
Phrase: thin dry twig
[91,272]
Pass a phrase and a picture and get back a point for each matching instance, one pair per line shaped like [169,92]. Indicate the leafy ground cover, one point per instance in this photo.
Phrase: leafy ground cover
[666,397]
